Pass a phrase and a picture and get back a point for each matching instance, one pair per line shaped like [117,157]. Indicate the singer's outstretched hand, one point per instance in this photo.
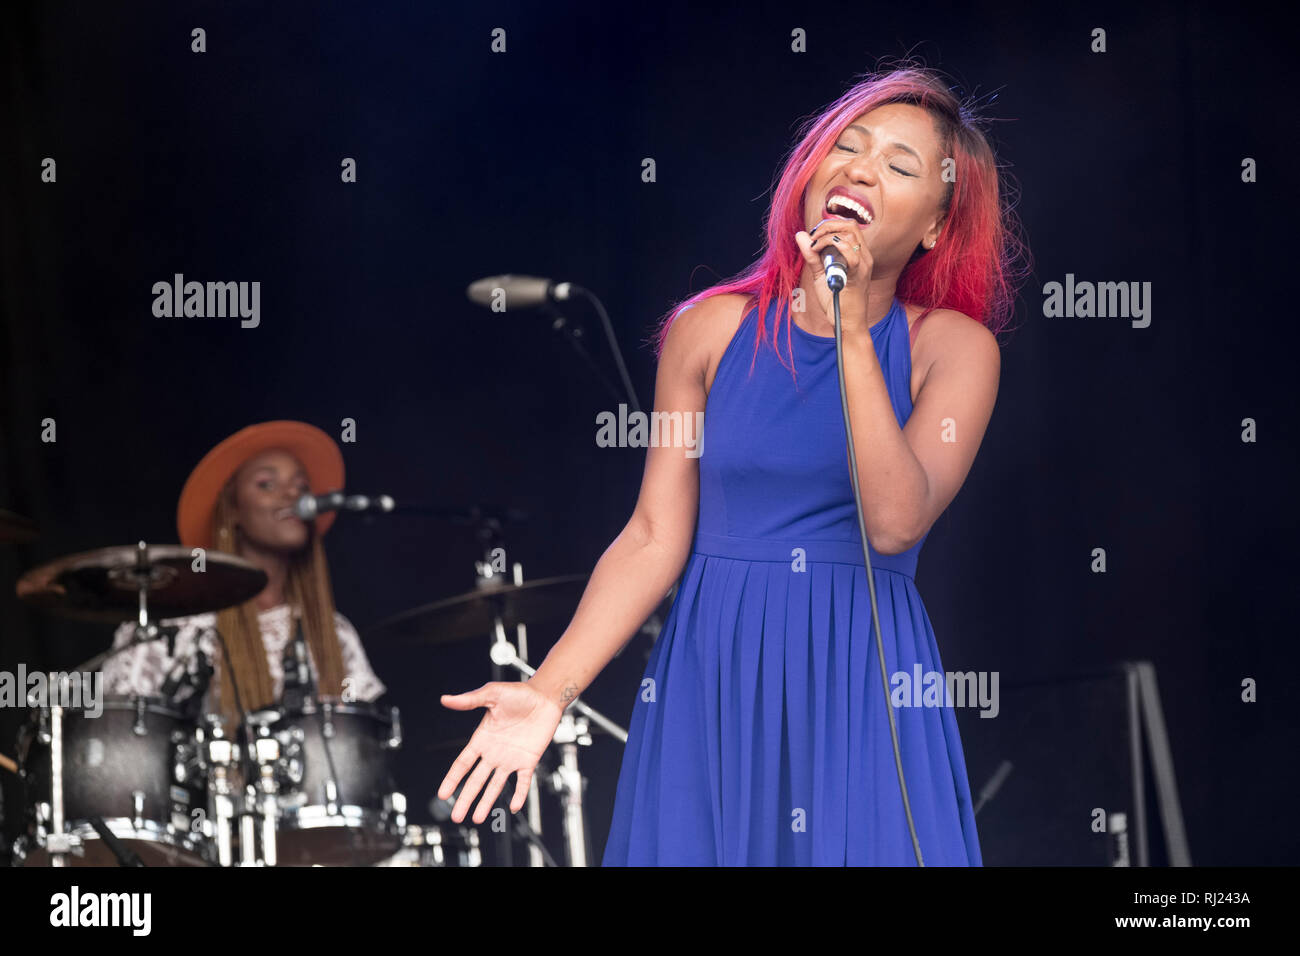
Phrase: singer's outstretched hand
[514,733]
[858,263]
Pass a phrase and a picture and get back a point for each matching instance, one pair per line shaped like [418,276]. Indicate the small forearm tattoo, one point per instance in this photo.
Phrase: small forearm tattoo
[569,694]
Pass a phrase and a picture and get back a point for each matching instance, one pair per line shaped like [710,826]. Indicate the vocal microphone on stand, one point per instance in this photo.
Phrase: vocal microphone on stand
[522,292]
[512,291]
[308,507]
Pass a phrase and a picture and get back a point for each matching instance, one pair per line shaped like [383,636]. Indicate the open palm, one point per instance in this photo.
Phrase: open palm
[516,730]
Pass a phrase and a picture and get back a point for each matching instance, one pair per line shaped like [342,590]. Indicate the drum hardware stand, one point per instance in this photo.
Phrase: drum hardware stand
[532,830]
[395,802]
[567,780]
[326,735]
[243,752]
[221,757]
[394,741]
[145,630]
[265,794]
[537,855]
[94,586]
[257,808]
[58,842]
[486,578]
[247,829]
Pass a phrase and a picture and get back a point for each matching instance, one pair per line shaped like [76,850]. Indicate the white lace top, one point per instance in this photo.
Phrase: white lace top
[143,669]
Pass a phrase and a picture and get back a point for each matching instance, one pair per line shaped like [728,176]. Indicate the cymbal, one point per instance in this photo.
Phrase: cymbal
[15,527]
[471,615]
[102,585]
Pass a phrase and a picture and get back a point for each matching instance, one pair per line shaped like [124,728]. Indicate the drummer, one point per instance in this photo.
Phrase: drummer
[239,500]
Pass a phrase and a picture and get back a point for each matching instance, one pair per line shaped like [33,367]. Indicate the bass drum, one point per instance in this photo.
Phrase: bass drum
[133,767]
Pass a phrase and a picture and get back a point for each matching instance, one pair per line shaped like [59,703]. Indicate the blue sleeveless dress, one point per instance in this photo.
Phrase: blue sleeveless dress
[759,736]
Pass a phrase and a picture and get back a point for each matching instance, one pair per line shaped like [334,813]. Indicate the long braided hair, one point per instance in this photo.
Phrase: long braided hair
[307,591]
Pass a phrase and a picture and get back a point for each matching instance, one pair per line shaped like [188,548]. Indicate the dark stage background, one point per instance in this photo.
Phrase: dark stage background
[225,165]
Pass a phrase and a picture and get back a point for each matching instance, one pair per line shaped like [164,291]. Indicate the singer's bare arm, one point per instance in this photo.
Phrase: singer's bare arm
[910,475]
[640,566]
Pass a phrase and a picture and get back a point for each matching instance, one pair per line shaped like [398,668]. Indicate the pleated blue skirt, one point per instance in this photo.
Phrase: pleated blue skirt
[760,735]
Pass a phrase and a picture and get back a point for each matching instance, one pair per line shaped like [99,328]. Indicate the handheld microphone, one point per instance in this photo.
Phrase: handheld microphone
[837,275]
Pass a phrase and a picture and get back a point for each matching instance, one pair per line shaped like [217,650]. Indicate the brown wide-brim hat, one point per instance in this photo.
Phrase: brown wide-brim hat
[318,453]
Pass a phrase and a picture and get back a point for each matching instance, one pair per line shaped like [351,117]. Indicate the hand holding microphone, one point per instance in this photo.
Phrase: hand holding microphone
[829,251]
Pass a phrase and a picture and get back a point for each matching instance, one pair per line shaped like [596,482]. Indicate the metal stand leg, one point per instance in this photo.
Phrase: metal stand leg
[569,784]
[1146,726]
[59,842]
[1162,766]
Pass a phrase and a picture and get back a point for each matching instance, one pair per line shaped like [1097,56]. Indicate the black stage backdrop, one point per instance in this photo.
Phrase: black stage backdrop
[225,165]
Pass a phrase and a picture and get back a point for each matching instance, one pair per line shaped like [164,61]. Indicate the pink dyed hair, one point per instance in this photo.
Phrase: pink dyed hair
[979,257]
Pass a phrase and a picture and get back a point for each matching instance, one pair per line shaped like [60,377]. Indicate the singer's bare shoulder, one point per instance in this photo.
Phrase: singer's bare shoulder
[699,336]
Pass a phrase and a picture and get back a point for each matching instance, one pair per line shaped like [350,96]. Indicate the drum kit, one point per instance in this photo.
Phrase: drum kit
[159,781]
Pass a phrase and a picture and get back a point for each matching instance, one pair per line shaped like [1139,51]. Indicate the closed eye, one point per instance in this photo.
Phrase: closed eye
[850,149]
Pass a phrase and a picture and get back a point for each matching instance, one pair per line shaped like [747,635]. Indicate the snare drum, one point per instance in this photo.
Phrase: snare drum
[134,767]
[338,804]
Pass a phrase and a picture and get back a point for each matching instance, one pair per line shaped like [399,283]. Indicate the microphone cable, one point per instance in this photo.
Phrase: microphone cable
[835,280]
